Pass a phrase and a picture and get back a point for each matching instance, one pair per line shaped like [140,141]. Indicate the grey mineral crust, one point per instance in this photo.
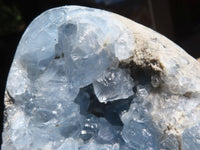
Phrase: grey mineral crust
[88,79]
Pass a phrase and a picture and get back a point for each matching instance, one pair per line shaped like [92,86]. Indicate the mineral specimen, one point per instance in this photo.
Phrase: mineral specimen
[87,79]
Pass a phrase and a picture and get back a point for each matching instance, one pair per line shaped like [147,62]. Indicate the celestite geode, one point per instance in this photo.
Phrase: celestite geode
[87,79]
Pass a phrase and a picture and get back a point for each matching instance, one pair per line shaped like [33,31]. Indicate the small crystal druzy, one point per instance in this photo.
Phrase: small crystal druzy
[87,79]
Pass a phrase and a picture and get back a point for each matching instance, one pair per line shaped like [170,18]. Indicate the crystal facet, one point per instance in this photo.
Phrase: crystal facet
[113,84]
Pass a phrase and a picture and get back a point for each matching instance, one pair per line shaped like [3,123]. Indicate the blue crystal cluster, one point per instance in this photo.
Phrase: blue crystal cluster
[69,89]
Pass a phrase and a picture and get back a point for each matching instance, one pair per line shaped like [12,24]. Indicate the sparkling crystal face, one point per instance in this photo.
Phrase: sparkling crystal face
[71,87]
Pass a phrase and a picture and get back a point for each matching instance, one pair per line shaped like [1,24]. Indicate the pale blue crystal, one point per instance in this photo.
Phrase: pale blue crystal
[69,144]
[74,85]
[191,138]
[92,145]
[89,128]
[107,133]
[113,84]
[140,136]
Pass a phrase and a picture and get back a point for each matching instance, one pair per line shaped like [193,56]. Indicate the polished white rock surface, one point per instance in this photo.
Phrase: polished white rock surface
[87,79]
